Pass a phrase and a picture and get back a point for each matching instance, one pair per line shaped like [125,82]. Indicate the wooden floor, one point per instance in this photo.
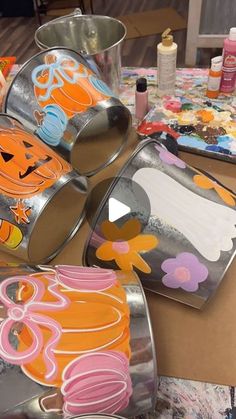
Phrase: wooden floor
[17,34]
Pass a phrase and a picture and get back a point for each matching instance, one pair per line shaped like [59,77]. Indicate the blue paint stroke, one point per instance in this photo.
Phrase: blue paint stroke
[192,141]
[218,149]
[100,86]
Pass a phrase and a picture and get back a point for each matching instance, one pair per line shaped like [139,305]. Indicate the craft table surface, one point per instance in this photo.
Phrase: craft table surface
[190,344]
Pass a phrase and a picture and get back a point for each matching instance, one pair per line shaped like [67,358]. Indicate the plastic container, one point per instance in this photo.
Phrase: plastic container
[141,98]
[166,64]
[229,63]
[214,79]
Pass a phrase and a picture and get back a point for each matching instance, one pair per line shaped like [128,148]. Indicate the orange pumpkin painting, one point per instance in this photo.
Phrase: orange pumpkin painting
[66,83]
[27,166]
[91,320]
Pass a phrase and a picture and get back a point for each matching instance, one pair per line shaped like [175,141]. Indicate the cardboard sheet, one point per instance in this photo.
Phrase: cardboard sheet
[193,344]
[152,22]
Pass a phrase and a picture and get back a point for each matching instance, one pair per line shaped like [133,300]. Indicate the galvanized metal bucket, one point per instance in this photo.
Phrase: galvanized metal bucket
[95,37]
[36,184]
[58,97]
[74,340]
[184,246]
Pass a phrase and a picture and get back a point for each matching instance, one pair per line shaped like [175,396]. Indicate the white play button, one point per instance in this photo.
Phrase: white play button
[126,200]
[116,209]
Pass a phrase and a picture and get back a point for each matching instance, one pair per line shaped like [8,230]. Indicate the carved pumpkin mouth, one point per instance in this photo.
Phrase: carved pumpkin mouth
[31,169]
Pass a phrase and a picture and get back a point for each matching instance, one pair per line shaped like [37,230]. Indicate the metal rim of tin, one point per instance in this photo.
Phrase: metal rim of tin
[140,146]
[74,228]
[73,231]
[155,371]
[97,415]
[113,156]
[75,15]
[17,120]
[125,137]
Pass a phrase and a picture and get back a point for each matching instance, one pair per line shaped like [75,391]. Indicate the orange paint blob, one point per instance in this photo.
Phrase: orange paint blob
[205,116]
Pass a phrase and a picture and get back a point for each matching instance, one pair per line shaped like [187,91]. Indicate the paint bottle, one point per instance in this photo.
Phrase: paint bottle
[214,79]
[141,98]
[229,63]
[166,64]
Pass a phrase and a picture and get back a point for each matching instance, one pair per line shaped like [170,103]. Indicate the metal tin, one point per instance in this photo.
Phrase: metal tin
[59,98]
[187,243]
[95,37]
[100,333]
[36,184]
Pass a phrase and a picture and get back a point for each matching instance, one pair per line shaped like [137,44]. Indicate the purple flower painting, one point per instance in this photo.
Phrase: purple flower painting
[170,158]
[185,271]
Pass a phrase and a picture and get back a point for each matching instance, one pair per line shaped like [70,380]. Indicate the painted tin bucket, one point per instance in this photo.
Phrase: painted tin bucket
[36,183]
[58,97]
[74,340]
[183,248]
[97,38]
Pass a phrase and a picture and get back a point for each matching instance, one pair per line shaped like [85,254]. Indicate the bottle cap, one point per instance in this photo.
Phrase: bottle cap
[232,34]
[216,63]
[167,39]
[141,84]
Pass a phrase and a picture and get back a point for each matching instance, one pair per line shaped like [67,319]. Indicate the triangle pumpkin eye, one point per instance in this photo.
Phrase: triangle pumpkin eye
[6,156]
[27,145]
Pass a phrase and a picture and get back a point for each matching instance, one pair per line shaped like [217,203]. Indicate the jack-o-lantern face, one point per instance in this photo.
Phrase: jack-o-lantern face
[27,167]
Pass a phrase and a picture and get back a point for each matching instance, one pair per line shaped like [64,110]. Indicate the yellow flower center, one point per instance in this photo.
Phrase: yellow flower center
[182,274]
[121,247]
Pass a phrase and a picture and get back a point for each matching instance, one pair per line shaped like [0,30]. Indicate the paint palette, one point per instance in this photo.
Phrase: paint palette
[198,124]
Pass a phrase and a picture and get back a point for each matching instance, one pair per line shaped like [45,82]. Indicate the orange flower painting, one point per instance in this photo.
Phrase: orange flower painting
[124,245]
[205,183]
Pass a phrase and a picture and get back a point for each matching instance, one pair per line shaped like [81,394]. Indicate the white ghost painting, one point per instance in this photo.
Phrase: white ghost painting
[209,226]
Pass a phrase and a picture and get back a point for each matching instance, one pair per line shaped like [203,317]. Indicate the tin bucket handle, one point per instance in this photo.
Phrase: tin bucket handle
[76,12]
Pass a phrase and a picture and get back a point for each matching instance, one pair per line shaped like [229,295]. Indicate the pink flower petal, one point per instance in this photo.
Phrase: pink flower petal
[185,271]
[170,158]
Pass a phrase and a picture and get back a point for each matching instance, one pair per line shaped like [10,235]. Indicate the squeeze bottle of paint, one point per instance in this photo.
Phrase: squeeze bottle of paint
[229,63]
[166,64]
[141,98]
[214,78]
